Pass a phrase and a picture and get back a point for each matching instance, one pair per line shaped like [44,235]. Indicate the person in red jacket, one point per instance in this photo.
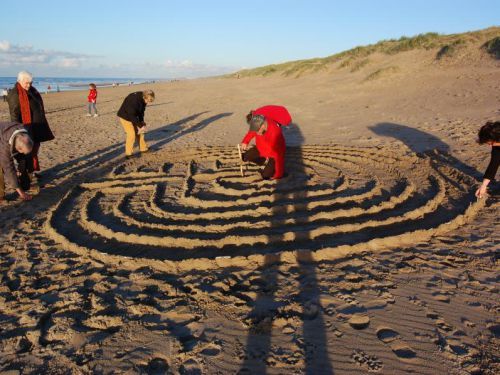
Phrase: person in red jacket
[92,99]
[269,150]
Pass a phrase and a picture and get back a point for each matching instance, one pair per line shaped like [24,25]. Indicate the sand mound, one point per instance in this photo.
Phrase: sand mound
[182,205]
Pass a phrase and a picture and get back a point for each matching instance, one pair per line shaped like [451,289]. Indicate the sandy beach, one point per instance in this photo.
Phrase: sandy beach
[372,255]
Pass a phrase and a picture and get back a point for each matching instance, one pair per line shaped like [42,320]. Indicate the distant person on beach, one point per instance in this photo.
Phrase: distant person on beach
[4,94]
[490,134]
[269,150]
[131,115]
[26,107]
[15,144]
[92,99]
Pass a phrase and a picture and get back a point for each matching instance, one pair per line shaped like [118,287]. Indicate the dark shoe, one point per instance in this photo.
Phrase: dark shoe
[129,156]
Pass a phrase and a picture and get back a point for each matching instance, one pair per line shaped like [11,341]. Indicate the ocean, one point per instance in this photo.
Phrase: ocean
[73,83]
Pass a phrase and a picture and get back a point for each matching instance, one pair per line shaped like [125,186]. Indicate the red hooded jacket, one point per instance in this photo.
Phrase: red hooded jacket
[272,143]
[92,98]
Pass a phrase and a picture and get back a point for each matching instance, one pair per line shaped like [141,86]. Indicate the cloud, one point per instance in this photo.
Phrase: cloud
[18,55]
[14,57]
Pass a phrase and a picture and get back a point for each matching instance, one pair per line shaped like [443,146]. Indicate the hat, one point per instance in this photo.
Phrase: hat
[255,122]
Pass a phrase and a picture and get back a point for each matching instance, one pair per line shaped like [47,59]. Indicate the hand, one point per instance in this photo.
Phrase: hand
[244,146]
[481,192]
[142,130]
[25,196]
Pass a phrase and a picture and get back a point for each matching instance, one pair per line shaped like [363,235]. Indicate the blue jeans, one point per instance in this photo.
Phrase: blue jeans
[90,106]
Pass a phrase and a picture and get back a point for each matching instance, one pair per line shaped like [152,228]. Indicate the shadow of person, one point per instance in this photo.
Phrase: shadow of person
[421,142]
[157,138]
[96,164]
[312,340]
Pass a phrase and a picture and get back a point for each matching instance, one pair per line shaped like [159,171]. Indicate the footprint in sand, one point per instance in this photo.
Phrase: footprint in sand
[398,346]
[370,362]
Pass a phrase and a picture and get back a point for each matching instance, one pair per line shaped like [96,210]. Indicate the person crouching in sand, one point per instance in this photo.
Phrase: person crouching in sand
[269,150]
[15,144]
[131,115]
[490,134]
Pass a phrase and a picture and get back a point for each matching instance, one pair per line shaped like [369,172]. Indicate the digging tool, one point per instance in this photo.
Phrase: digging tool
[241,160]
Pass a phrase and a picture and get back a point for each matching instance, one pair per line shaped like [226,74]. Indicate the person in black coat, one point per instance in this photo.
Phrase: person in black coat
[15,143]
[131,116]
[490,134]
[26,107]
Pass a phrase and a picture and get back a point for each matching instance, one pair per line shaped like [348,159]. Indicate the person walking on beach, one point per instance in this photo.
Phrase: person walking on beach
[131,116]
[269,150]
[4,94]
[15,144]
[26,107]
[92,99]
[490,134]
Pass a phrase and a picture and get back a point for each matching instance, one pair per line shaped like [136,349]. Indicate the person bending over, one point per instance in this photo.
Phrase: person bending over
[269,150]
[490,134]
[15,145]
[131,115]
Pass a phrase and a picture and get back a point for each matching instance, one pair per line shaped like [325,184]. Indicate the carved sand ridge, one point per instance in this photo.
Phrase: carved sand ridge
[178,205]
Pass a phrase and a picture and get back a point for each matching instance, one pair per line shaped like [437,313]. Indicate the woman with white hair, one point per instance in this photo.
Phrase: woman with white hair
[26,107]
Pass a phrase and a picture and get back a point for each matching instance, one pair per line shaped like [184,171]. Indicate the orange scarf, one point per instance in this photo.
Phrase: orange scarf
[24,103]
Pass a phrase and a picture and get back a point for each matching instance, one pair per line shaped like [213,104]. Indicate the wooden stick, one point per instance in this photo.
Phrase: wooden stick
[241,160]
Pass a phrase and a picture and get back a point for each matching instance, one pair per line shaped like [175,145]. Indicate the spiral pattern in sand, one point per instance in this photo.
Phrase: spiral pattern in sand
[178,205]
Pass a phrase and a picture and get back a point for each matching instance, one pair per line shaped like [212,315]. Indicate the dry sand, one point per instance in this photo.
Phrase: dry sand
[371,256]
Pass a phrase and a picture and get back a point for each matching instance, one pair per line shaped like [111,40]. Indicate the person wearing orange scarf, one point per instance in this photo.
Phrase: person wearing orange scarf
[26,107]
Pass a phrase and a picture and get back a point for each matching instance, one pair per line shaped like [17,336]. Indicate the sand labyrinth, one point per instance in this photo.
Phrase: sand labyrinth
[177,205]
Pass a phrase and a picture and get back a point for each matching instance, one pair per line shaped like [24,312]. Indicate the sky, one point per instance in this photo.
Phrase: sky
[193,38]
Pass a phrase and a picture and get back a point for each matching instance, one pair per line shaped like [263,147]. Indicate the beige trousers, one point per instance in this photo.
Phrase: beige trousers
[132,137]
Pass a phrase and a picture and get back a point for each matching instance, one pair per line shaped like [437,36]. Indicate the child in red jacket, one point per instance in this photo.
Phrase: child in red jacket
[92,99]
[265,126]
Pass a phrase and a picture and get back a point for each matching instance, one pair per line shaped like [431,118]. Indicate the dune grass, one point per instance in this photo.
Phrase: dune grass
[450,50]
[492,46]
[356,58]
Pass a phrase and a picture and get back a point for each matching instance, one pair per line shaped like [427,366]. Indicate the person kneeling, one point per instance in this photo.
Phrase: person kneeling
[15,144]
[269,150]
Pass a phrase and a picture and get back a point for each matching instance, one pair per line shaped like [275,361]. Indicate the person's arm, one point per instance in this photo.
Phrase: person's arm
[10,174]
[14,107]
[247,139]
[490,173]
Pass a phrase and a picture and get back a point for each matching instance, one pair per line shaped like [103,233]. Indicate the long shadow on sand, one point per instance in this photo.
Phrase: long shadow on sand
[312,340]
[63,176]
[421,142]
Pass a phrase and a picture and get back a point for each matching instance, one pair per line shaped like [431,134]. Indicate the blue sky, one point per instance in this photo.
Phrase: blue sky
[160,39]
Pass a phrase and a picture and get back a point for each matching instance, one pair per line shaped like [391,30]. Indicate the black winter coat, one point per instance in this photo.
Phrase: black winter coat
[39,128]
[133,108]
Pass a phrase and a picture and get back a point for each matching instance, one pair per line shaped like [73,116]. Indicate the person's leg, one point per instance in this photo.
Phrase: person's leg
[252,155]
[95,108]
[89,109]
[268,171]
[143,146]
[34,154]
[130,136]
[23,165]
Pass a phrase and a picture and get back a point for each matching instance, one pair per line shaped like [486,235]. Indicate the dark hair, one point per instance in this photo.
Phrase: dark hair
[92,86]
[489,132]
[249,117]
